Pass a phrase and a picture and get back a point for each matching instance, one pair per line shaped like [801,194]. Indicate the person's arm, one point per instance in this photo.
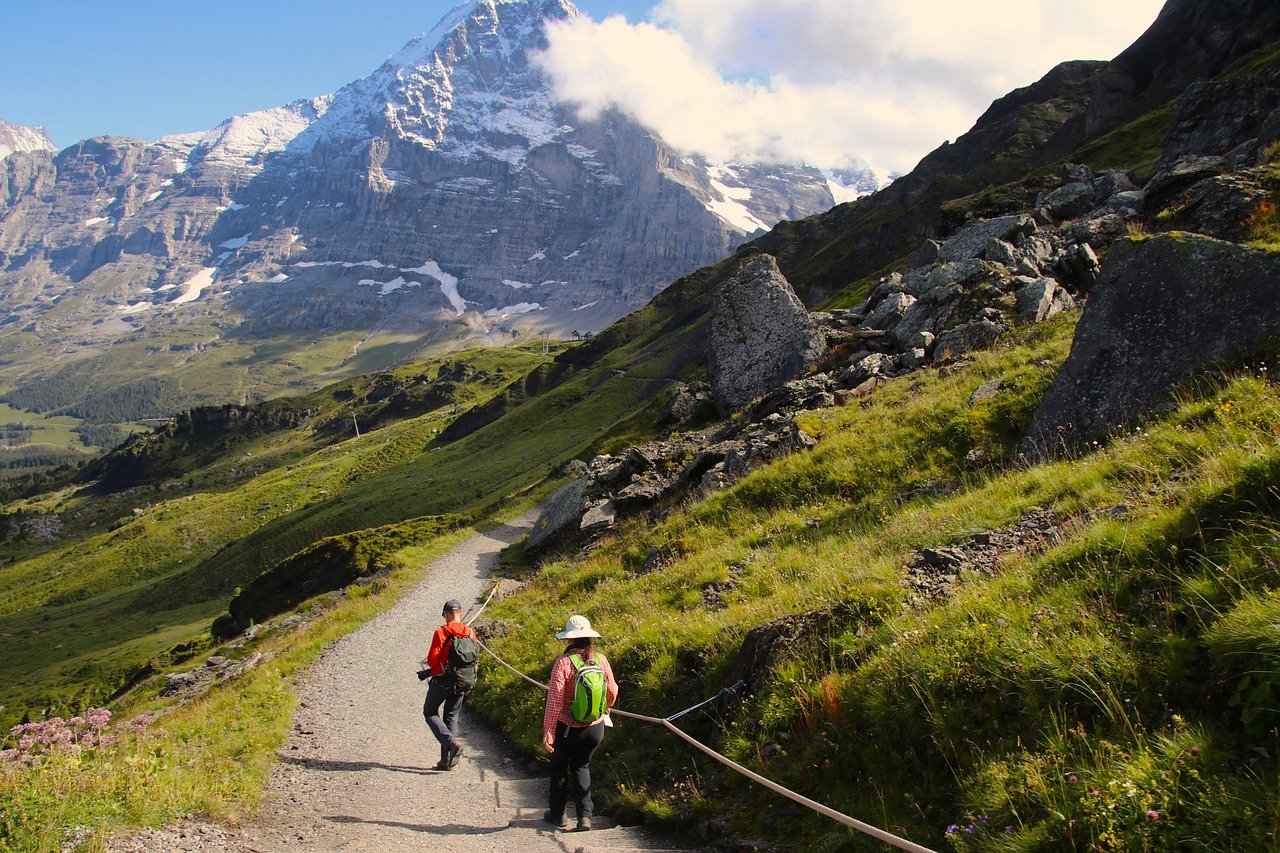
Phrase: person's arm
[611,691]
[433,661]
[555,701]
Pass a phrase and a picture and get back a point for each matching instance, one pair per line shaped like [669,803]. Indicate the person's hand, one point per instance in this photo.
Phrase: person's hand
[549,742]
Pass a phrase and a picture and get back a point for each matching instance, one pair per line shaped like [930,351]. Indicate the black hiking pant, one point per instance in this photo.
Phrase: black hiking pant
[570,768]
[441,712]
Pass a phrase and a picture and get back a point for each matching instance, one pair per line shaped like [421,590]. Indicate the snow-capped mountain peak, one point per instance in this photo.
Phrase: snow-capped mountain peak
[852,179]
[247,139]
[457,87]
[17,137]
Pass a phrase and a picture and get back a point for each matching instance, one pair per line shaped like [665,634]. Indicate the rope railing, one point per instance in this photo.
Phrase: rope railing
[469,619]
[666,722]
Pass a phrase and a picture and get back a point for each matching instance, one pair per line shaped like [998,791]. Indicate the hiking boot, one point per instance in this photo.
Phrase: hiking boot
[561,822]
[455,749]
[584,824]
[443,764]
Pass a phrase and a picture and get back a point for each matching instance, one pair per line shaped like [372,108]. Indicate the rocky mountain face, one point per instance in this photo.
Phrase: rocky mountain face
[444,196]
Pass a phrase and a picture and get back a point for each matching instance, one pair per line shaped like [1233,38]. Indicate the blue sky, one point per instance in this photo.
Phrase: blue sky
[815,81]
[148,68]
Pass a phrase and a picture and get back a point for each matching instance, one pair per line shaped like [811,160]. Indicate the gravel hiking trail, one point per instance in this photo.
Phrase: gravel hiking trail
[357,771]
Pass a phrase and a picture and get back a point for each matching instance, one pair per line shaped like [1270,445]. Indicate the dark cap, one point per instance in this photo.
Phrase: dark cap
[452,604]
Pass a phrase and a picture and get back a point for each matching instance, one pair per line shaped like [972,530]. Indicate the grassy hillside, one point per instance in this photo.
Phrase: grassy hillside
[127,575]
[133,573]
[1112,687]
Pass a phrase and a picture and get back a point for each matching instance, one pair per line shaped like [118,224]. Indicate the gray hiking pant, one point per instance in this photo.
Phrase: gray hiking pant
[441,712]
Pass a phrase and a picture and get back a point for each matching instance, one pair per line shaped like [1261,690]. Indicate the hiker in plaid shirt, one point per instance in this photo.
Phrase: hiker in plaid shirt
[569,741]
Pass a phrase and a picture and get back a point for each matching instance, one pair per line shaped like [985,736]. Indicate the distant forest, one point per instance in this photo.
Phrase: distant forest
[27,460]
[105,436]
[78,391]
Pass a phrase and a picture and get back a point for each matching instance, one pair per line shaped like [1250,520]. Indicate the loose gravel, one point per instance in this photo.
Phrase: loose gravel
[357,770]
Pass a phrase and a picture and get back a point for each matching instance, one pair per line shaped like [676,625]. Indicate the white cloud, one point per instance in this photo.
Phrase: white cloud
[820,80]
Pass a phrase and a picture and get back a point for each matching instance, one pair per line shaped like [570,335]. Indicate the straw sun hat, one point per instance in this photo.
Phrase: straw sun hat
[576,628]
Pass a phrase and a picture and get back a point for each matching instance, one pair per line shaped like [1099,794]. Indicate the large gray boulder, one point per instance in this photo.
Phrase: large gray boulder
[560,518]
[761,335]
[1160,309]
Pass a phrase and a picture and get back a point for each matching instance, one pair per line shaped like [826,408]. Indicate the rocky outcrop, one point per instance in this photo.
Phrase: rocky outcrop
[217,669]
[653,476]
[1161,308]
[686,402]
[960,295]
[767,647]
[1199,194]
[1236,118]
[761,335]
[1191,40]
[971,242]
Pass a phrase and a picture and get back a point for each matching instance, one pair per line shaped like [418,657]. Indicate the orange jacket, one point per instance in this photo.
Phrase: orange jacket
[438,656]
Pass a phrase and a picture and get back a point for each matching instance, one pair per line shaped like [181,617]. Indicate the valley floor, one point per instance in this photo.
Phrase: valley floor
[356,772]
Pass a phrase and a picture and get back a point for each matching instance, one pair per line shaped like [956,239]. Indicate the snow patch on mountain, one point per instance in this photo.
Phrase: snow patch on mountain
[437,91]
[448,284]
[390,286]
[196,285]
[244,141]
[374,264]
[729,205]
[853,179]
[518,308]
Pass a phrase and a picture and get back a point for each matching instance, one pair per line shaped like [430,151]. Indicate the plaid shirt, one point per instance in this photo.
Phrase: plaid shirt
[560,694]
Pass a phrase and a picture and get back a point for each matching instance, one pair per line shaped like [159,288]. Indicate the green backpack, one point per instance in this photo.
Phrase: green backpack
[589,688]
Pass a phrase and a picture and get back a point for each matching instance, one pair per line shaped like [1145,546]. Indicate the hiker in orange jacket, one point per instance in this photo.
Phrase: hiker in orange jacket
[443,700]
